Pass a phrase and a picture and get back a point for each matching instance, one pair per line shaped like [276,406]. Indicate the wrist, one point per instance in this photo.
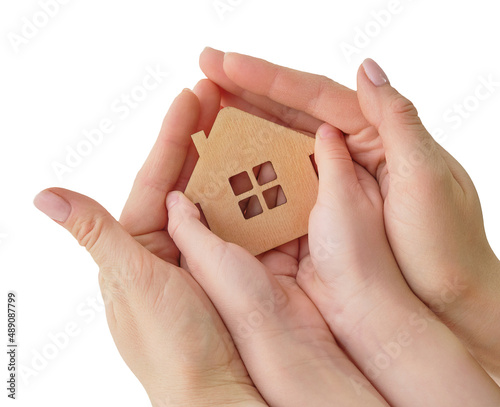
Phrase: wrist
[477,312]
[211,391]
[359,314]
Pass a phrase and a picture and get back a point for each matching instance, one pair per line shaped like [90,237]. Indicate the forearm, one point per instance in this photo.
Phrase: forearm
[399,339]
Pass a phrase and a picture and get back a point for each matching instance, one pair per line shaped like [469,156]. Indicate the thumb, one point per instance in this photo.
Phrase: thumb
[337,175]
[232,278]
[408,146]
[202,249]
[92,226]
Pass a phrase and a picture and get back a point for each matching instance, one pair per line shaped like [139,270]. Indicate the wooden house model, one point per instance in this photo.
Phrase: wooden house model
[254,180]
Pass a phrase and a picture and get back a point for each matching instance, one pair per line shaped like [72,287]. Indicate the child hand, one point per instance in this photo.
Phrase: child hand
[289,352]
[432,214]
[410,356]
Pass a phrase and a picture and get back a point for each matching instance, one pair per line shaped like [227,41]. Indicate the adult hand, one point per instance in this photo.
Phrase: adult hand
[353,279]
[163,324]
[409,355]
[432,212]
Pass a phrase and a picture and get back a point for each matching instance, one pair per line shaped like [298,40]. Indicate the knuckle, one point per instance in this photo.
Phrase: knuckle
[337,152]
[113,290]
[134,275]
[400,107]
[321,91]
[182,214]
[88,231]
[288,115]
[219,250]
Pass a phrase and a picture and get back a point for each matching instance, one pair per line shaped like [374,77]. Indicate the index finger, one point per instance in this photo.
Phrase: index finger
[211,63]
[313,94]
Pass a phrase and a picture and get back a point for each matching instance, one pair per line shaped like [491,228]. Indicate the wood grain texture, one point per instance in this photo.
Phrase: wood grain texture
[239,142]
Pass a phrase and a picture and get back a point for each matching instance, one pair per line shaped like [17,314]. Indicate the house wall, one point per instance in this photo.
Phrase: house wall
[239,144]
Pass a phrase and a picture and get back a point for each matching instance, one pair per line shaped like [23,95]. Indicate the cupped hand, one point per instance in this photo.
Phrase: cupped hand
[287,347]
[409,355]
[163,324]
[431,209]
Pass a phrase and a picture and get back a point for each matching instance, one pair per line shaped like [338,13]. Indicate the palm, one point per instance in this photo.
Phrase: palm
[304,101]
[297,322]
[146,218]
[174,302]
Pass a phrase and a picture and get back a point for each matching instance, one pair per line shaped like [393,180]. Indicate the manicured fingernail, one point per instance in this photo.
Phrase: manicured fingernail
[172,199]
[374,72]
[53,206]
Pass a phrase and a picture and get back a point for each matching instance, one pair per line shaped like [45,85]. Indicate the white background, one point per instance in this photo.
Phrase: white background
[67,77]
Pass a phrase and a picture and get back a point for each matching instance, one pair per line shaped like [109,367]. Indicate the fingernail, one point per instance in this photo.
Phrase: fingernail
[227,54]
[53,206]
[172,199]
[325,131]
[187,90]
[374,72]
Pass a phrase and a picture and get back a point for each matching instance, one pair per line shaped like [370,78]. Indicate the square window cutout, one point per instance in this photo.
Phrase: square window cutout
[264,173]
[250,207]
[240,183]
[274,197]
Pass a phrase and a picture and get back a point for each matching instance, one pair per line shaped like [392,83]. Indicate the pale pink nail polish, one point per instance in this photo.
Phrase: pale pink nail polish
[374,72]
[53,206]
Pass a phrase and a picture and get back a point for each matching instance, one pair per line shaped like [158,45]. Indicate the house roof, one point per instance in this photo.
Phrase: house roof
[237,141]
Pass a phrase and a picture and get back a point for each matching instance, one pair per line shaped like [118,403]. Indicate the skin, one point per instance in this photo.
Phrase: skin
[427,196]
[154,295]
[354,281]
[358,287]
[151,302]
[164,324]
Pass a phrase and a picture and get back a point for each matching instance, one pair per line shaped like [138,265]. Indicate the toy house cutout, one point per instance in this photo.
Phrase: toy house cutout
[254,180]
